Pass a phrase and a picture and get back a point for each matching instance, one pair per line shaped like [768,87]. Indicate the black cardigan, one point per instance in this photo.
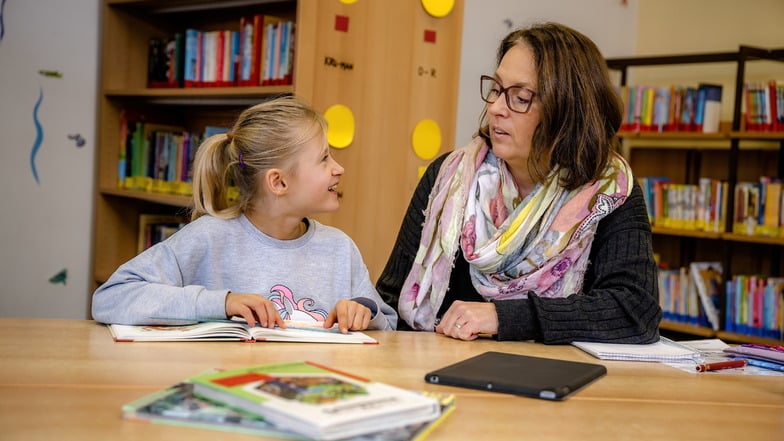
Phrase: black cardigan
[619,302]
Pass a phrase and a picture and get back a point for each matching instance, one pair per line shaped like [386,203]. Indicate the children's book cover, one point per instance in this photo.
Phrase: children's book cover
[178,405]
[316,401]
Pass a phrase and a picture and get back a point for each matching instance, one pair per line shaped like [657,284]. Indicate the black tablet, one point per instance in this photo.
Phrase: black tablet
[536,377]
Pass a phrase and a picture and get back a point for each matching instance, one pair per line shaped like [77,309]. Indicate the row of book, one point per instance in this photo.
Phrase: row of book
[260,53]
[297,400]
[674,108]
[154,228]
[156,157]
[691,294]
[763,106]
[759,206]
[754,305]
[159,157]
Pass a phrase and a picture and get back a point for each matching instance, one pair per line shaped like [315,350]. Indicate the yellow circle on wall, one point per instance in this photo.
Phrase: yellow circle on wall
[348,2]
[340,126]
[426,139]
[438,8]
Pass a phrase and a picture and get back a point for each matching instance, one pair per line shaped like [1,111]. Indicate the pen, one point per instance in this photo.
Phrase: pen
[766,365]
[720,365]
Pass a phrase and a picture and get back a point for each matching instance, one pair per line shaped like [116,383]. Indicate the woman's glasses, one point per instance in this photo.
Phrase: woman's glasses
[518,98]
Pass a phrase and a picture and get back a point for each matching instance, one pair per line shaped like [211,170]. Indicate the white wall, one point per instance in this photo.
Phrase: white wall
[611,24]
[45,225]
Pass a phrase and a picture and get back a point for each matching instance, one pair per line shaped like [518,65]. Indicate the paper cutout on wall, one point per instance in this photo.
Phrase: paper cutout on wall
[77,138]
[348,2]
[438,8]
[430,36]
[2,20]
[421,171]
[60,277]
[39,135]
[50,73]
[340,126]
[341,23]
[426,139]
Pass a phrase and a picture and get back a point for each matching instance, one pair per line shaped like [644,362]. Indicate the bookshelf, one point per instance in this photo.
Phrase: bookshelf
[732,155]
[383,44]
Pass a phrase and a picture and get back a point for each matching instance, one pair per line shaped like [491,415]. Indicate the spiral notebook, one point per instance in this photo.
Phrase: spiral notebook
[536,377]
[664,350]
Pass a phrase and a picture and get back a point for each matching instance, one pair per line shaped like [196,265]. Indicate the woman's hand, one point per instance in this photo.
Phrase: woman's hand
[466,320]
[253,308]
[349,315]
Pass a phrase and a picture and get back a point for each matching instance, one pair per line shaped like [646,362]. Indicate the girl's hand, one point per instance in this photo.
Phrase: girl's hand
[349,315]
[466,320]
[253,308]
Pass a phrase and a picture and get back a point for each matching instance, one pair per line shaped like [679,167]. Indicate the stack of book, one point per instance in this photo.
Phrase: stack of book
[296,400]
[760,355]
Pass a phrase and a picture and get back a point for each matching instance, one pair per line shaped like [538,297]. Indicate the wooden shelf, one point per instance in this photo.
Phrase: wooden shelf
[743,338]
[686,328]
[386,42]
[763,136]
[722,135]
[730,156]
[674,135]
[723,236]
[157,198]
[753,239]
[686,233]
[702,331]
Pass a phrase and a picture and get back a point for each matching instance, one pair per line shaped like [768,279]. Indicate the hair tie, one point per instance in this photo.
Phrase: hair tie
[241,161]
[229,136]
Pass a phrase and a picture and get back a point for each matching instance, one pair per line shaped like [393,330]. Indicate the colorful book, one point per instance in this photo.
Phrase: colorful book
[772,353]
[706,278]
[192,58]
[316,401]
[230,330]
[179,406]
[709,105]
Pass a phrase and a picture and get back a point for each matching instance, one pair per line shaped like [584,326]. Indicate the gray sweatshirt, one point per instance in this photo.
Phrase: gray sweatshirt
[187,276]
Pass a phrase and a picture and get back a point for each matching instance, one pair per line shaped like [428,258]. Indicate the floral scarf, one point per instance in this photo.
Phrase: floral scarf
[540,244]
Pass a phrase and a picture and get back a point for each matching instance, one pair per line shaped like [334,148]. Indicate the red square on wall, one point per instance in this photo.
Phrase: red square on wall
[430,36]
[341,23]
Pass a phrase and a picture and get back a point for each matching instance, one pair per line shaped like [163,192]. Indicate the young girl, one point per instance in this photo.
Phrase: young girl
[258,257]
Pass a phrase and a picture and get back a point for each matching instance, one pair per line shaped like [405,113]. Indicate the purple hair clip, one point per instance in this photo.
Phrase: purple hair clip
[242,162]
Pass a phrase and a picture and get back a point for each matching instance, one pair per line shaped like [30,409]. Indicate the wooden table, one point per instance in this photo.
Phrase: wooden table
[67,379]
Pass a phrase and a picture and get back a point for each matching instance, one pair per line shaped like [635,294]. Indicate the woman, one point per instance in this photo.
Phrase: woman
[537,229]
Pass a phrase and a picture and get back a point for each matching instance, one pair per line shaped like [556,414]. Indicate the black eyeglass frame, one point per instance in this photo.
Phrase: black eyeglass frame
[503,91]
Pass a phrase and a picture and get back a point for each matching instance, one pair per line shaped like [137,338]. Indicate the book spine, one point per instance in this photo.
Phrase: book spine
[190,74]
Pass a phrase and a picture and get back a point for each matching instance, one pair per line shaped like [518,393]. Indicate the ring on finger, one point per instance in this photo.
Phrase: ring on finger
[458,325]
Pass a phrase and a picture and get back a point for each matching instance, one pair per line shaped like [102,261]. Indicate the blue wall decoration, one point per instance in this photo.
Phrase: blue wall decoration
[39,135]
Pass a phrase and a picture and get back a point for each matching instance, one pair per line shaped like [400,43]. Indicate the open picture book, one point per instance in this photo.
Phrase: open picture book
[316,401]
[229,330]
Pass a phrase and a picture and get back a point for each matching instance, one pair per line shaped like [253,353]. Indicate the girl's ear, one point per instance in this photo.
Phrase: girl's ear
[275,181]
